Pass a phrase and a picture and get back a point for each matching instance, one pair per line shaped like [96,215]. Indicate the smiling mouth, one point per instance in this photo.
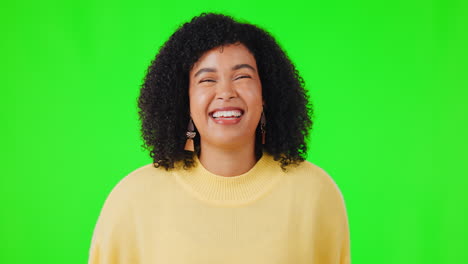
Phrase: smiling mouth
[227,114]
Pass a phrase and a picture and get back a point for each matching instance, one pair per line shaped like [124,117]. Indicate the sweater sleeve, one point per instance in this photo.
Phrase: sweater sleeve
[345,254]
[114,237]
[334,236]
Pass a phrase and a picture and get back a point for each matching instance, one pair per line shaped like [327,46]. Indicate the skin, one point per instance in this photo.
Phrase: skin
[226,149]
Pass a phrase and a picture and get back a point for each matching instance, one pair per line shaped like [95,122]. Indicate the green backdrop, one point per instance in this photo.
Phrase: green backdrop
[388,80]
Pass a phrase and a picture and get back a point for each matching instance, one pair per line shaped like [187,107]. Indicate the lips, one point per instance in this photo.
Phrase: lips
[226,115]
[226,112]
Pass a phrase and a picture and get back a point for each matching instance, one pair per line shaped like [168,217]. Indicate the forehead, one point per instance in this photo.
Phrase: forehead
[226,55]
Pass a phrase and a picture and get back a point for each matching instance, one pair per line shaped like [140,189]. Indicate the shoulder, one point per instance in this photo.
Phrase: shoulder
[131,193]
[318,187]
[315,179]
[143,175]
[116,221]
[309,171]
[138,184]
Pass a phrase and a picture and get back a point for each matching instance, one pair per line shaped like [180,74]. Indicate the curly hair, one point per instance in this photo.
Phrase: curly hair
[164,102]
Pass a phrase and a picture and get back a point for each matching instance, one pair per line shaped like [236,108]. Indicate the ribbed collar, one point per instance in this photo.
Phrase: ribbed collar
[235,190]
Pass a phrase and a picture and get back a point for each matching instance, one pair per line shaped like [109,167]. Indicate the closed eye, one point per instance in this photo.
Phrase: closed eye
[240,77]
[208,80]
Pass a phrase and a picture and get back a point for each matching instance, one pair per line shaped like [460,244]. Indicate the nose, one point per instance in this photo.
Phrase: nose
[225,91]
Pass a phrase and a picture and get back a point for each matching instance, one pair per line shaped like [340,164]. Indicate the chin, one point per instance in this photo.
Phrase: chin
[229,140]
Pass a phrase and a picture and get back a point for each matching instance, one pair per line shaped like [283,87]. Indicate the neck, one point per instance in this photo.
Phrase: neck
[228,162]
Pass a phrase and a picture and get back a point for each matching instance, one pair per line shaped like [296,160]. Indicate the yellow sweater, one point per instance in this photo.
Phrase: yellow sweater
[264,216]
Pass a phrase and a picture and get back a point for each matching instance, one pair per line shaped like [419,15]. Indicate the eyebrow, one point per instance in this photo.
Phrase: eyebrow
[236,67]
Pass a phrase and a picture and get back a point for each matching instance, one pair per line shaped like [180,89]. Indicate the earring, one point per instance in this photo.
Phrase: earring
[189,146]
[262,127]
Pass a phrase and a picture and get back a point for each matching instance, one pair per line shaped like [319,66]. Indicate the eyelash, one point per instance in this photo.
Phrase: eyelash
[240,77]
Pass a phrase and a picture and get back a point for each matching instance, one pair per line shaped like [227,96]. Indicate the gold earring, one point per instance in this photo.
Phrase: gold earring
[189,146]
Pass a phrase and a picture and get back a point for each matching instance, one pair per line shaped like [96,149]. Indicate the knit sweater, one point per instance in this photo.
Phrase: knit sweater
[263,216]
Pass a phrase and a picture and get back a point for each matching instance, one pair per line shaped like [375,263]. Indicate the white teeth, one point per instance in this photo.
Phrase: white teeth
[232,113]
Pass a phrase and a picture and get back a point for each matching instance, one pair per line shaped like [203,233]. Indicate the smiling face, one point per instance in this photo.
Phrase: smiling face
[226,96]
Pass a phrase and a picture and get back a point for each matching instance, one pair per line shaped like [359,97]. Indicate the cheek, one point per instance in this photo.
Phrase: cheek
[252,94]
[199,101]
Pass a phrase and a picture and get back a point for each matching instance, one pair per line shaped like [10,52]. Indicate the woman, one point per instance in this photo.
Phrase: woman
[225,117]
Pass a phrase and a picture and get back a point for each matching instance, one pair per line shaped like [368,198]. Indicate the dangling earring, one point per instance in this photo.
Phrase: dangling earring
[262,127]
[189,146]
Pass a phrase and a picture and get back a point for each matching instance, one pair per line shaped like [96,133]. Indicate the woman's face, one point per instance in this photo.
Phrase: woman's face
[226,96]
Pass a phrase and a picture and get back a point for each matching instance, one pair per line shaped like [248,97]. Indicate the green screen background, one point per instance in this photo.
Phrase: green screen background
[388,80]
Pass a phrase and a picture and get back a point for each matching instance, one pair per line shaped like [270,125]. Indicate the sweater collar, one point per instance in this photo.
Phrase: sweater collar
[234,190]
